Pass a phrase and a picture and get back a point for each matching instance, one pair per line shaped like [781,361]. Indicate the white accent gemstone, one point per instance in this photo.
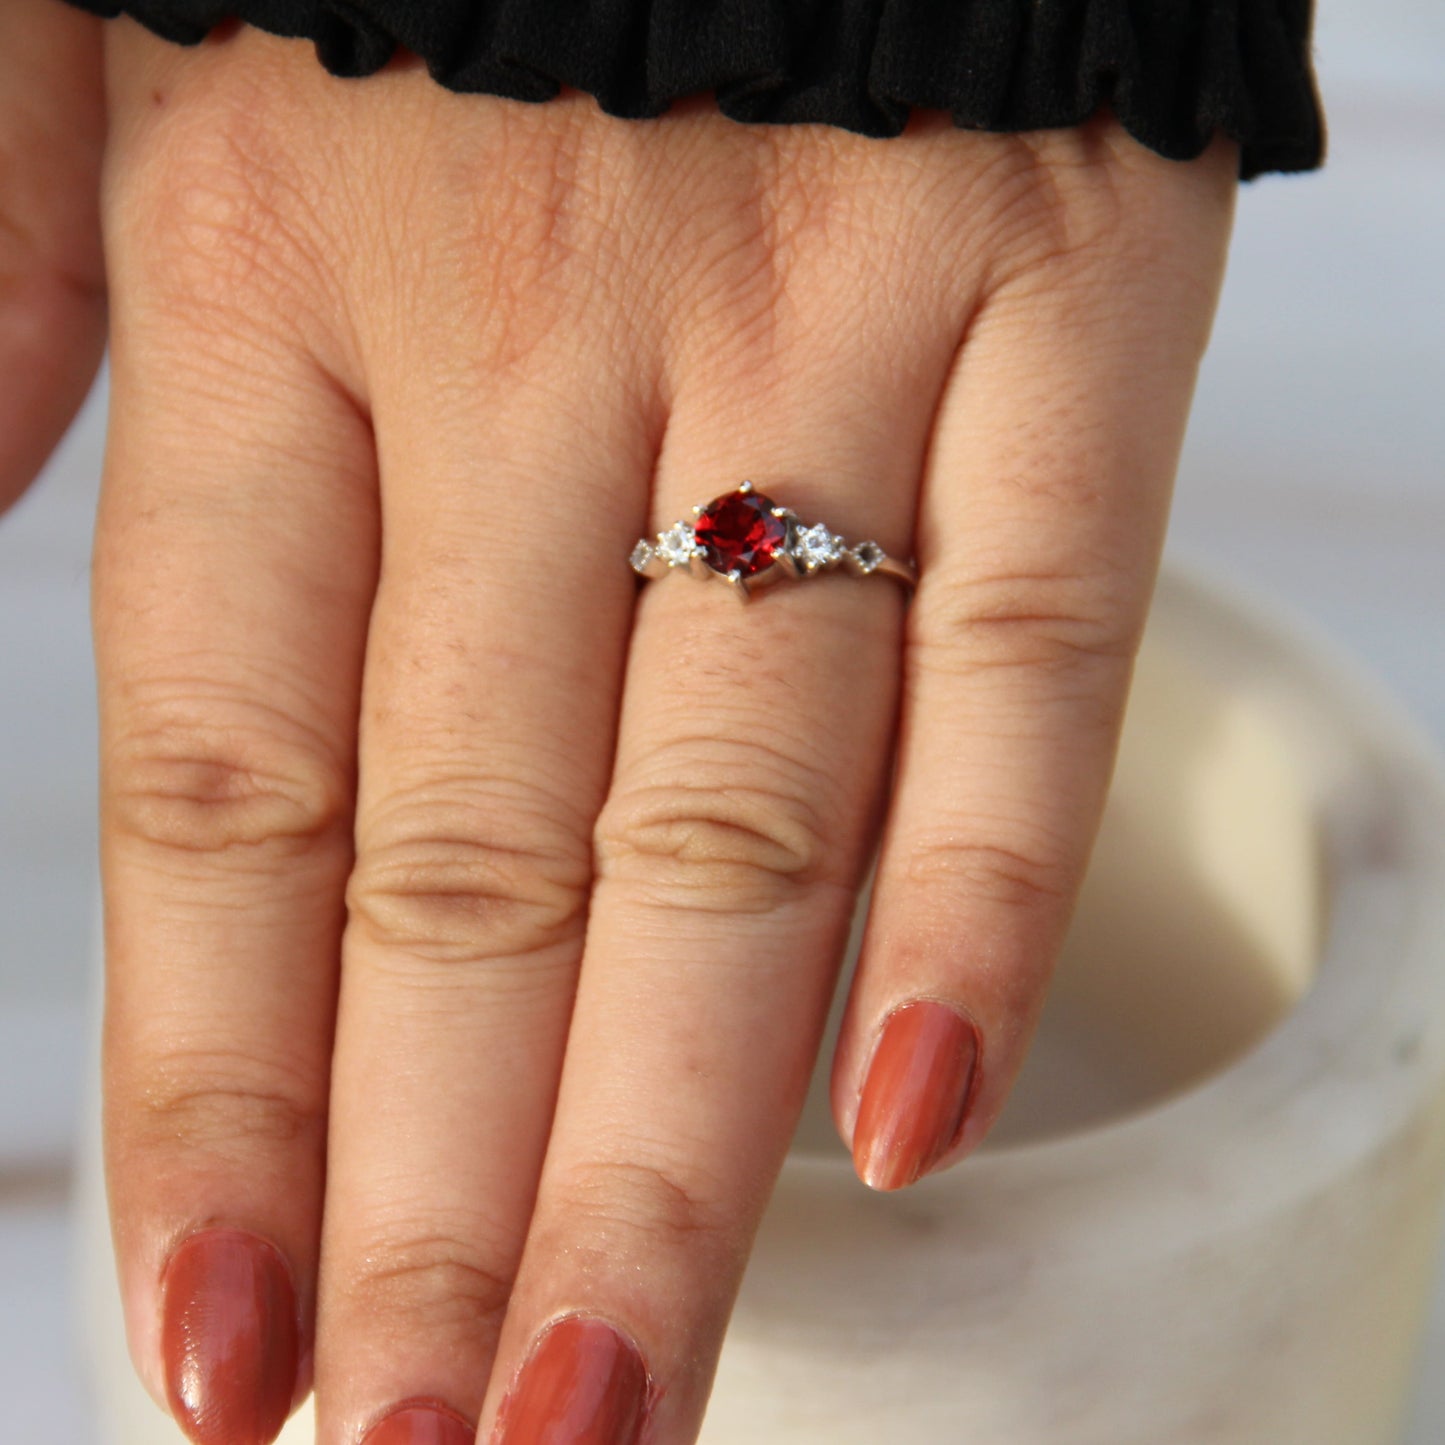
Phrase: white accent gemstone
[677,546]
[869,556]
[816,547]
[641,556]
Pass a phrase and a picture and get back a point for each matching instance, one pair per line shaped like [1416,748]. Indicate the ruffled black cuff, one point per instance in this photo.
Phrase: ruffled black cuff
[1174,71]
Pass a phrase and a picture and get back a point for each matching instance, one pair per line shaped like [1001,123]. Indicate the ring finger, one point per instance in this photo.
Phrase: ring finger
[754,740]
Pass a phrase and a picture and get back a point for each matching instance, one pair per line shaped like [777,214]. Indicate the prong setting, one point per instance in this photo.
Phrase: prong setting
[816,549]
[678,545]
[866,557]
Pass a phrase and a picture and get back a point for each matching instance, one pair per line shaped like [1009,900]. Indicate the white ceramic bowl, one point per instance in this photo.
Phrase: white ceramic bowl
[1209,1214]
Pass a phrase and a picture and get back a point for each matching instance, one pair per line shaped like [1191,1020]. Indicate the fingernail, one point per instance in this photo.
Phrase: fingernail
[420,1422]
[916,1093]
[229,1338]
[582,1384]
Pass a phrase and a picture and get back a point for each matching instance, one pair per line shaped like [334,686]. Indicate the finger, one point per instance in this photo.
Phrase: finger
[233,569]
[52,273]
[752,748]
[1043,517]
[494,667]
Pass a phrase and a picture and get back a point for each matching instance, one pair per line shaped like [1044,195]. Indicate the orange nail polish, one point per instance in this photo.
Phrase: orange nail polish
[420,1422]
[916,1093]
[582,1384]
[229,1337]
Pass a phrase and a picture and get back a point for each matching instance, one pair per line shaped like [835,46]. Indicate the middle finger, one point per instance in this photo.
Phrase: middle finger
[753,745]
[487,720]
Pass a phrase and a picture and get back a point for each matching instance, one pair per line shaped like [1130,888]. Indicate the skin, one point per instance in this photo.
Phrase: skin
[471,916]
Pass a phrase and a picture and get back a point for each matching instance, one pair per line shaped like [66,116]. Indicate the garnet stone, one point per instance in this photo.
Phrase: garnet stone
[738,533]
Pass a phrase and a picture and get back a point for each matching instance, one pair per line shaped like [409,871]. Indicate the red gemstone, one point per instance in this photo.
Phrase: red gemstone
[738,533]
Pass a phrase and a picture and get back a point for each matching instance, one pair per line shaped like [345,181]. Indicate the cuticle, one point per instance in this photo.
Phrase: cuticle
[412,1402]
[652,1391]
[882,1028]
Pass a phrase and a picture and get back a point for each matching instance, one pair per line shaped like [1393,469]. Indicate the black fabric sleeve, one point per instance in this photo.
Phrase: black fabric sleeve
[1174,71]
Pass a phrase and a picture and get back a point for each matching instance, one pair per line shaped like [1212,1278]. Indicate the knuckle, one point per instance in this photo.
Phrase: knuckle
[1056,206]
[1091,213]
[212,210]
[732,236]
[1053,620]
[218,1107]
[994,874]
[433,1275]
[720,848]
[535,251]
[734,288]
[468,883]
[195,783]
[622,1199]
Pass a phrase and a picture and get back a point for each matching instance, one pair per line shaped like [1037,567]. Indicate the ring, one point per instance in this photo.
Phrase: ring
[748,540]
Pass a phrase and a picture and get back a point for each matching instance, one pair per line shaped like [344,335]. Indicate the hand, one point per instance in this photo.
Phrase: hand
[471,917]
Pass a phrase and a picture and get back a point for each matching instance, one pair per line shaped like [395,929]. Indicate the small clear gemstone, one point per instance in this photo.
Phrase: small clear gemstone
[677,546]
[816,547]
[869,556]
[641,556]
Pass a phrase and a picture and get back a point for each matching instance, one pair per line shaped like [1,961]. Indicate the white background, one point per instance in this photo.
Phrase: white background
[1314,472]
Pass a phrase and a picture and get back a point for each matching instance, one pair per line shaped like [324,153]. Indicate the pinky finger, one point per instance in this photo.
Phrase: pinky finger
[1042,521]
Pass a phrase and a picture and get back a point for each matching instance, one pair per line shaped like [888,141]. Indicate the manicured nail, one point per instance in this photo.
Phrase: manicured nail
[420,1422]
[916,1093]
[230,1338]
[582,1384]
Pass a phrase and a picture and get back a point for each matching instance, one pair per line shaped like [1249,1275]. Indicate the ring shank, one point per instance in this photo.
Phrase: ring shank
[903,572]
